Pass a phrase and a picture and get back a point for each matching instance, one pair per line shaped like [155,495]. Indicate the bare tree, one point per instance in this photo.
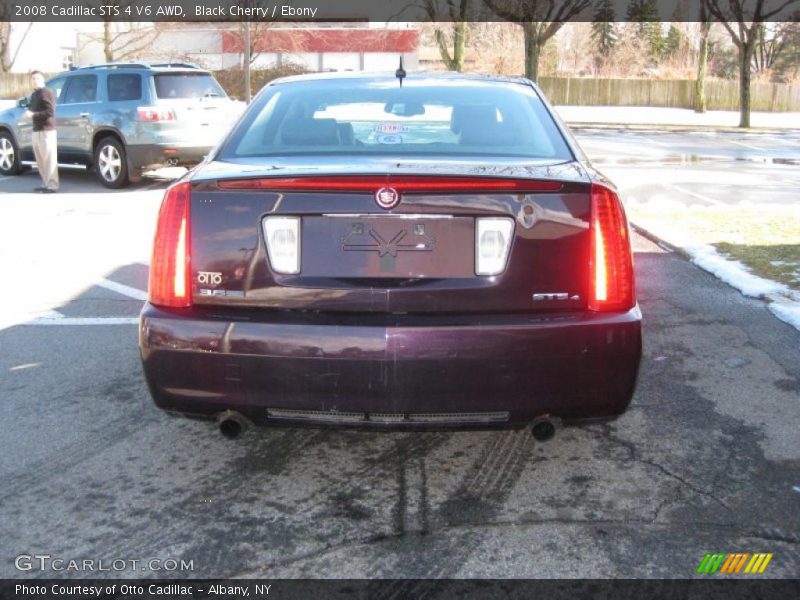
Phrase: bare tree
[258,30]
[743,20]
[8,50]
[773,41]
[540,20]
[458,13]
[702,62]
[123,40]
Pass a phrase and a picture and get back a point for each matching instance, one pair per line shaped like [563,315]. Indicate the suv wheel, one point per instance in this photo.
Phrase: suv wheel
[9,155]
[111,163]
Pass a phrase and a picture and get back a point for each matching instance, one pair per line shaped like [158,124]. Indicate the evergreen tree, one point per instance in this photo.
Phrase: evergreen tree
[604,28]
[645,13]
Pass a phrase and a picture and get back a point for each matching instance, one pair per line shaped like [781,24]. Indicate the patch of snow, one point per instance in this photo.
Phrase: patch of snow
[788,312]
[733,272]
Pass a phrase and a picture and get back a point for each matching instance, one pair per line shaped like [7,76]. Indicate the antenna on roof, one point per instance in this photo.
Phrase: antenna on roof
[400,73]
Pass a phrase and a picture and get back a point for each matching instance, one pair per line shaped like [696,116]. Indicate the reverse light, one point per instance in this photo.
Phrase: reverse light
[492,242]
[154,113]
[170,266]
[282,235]
[611,263]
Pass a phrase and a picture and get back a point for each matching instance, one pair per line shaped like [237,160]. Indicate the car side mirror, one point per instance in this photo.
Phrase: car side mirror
[22,103]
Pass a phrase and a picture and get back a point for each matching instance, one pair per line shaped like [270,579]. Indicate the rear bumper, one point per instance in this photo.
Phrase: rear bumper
[392,372]
[142,156]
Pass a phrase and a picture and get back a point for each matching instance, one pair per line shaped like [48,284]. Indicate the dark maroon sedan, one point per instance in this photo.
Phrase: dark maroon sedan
[369,251]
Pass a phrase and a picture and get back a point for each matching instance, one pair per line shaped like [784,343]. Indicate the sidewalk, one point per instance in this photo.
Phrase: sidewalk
[644,116]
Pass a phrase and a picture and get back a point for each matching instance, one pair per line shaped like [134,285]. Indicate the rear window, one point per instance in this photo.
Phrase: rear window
[126,86]
[378,117]
[187,85]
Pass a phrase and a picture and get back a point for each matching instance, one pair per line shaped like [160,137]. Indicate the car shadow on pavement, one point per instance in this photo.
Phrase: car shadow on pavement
[83,181]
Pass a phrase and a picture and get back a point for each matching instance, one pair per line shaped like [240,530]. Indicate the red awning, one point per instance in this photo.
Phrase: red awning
[326,40]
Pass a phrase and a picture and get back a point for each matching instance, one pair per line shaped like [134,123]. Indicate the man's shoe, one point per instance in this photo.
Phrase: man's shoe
[39,189]
[49,191]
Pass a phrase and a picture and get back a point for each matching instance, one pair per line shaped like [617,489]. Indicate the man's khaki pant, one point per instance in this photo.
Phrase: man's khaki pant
[44,149]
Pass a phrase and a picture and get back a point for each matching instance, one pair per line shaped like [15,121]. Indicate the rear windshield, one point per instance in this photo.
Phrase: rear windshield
[187,85]
[378,117]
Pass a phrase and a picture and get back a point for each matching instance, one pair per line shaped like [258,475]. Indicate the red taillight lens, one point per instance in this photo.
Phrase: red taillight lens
[169,268]
[611,263]
[154,113]
[372,183]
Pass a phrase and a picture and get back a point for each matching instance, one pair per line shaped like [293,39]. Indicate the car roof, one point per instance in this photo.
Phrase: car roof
[415,76]
[159,67]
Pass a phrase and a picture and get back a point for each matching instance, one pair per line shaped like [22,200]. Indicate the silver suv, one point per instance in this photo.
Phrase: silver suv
[123,118]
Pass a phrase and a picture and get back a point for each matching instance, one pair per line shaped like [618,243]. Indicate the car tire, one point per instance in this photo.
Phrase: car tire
[9,155]
[111,163]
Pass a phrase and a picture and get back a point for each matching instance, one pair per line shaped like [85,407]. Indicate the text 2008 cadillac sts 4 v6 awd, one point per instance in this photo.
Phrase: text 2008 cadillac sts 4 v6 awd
[433,251]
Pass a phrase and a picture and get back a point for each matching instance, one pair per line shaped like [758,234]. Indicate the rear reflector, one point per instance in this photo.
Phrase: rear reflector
[153,114]
[282,235]
[611,262]
[492,241]
[170,266]
[372,183]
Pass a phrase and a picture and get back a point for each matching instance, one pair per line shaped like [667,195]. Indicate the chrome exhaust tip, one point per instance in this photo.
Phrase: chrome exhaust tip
[543,428]
[232,424]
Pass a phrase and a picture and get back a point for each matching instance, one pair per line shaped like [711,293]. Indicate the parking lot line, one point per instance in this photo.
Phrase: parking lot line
[85,321]
[738,143]
[123,289]
[702,197]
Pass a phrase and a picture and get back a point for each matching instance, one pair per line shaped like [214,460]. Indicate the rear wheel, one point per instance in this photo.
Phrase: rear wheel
[111,163]
[9,155]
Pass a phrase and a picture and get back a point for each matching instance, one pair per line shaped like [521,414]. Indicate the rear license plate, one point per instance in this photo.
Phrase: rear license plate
[388,246]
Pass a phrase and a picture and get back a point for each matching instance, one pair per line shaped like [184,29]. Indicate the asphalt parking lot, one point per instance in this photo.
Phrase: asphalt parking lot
[707,459]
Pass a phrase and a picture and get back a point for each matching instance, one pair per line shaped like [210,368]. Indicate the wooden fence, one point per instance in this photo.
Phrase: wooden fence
[720,94]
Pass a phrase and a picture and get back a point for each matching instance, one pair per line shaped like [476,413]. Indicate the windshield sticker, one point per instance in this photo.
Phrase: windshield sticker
[390,128]
[390,139]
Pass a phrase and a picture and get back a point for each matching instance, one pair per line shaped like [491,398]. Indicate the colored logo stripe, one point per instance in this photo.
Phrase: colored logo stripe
[734,562]
[758,563]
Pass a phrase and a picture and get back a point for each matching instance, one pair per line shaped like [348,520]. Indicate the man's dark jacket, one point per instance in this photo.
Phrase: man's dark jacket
[43,107]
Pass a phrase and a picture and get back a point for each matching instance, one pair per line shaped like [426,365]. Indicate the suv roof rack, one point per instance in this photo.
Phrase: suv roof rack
[136,65]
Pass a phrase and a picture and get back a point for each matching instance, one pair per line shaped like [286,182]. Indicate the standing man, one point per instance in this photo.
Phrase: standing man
[42,109]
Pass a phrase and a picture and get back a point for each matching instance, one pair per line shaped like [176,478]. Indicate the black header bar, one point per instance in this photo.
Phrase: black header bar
[366,10]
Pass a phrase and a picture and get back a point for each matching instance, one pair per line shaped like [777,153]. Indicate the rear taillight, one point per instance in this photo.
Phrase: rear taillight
[611,262]
[170,266]
[155,113]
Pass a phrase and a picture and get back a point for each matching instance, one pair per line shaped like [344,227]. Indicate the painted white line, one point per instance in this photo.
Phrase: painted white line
[702,197]
[744,145]
[656,142]
[86,321]
[125,290]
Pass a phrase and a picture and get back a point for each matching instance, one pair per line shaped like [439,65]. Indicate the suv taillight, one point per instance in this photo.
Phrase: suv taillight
[611,262]
[170,266]
[154,113]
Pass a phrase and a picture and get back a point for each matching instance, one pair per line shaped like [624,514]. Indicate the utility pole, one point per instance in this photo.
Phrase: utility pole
[247,62]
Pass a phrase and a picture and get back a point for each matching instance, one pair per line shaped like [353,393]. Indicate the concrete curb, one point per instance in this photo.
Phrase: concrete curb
[678,128]
[766,298]
[660,242]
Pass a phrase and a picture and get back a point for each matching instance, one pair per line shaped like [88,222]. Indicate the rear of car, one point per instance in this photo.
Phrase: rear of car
[366,254]
[187,114]
[125,118]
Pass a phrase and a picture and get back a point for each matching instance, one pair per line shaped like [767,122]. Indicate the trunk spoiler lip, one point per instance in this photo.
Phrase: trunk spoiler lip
[563,171]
